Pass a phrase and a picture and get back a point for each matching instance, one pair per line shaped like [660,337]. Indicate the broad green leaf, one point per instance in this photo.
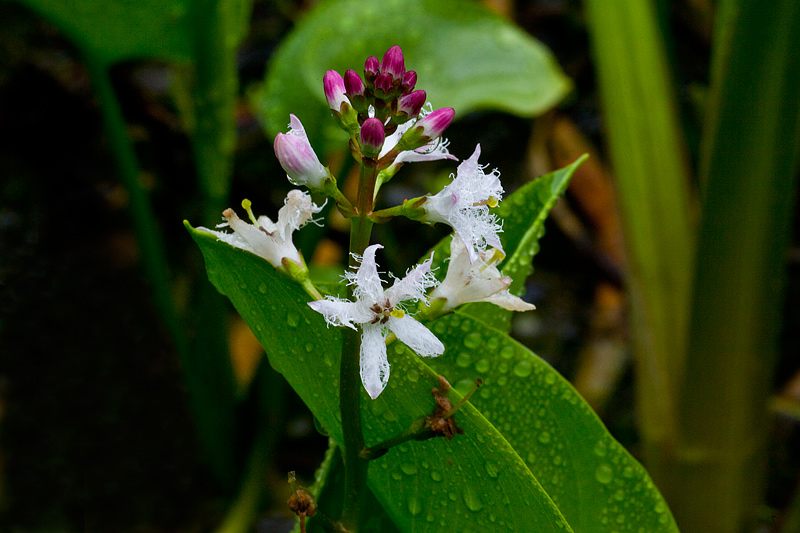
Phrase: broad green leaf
[596,484]
[121,30]
[465,56]
[473,483]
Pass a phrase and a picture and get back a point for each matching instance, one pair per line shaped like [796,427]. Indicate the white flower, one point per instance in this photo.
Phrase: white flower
[378,313]
[436,149]
[476,282]
[464,205]
[270,240]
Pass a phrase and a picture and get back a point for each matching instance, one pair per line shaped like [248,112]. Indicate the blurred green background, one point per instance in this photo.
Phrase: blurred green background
[132,398]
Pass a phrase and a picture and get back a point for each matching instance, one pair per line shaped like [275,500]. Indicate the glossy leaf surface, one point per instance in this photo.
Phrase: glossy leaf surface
[422,485]
[598,486]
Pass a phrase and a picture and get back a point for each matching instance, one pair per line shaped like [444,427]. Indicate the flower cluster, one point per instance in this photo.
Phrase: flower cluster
[390,124]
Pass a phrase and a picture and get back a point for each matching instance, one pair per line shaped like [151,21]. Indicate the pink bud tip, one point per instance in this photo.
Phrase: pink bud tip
[409,81]
[353,84]
[383,82]
[371,68]
[393,63]
[412,103]
[434,124]
[333,84]
[297,157]
[372,136]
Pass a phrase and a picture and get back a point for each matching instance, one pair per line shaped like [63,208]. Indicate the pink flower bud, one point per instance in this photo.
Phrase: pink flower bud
[434,124]
[297,157]
[371,69]
[409,81]
[393,63]
[353,84]
[411,103]
[333,84]
[383,84]
[372,137]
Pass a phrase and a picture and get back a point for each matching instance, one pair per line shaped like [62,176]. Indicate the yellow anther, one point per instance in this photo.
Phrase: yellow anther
[497,256]
[398,313]
[492,201]
[248,206]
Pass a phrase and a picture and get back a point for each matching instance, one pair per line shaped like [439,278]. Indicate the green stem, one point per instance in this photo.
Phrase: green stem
[349,370]
[151,246]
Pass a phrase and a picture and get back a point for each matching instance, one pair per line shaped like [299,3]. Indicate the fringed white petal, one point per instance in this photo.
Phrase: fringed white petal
[338,312]
[416,336]
[413,285]
[506,300]
[368,283]
[374,362]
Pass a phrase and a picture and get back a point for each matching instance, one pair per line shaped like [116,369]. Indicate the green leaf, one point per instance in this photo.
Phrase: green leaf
[123,29]
[596,484]
[748,172]
[465,56]
[424,486]
[656,206]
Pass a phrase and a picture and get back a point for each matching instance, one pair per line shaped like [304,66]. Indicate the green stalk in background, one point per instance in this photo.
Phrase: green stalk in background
[748,167]
[647,152]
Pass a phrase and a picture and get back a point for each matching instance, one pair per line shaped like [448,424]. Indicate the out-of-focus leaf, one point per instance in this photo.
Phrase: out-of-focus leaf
[748,175]
[465,56]
[596,484]
[424,486]
[123,29]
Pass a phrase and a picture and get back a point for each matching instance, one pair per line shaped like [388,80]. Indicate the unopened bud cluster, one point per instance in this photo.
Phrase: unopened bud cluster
[371,109]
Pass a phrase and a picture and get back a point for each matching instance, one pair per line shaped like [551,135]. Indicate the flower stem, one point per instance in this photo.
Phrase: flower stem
[355,477]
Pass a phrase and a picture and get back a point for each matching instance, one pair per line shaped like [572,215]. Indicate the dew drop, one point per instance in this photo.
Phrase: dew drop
[412,375]
[550,378]
[506,352]
[262,288]
[492,343]
[544,437]
[604,474]
[472,500]
[409,469]
[414,507]
[292,319]
[464,386]
[436,476]
[396,476]
[491,469]
[472,340]
[523,368]
[600,449]
[463,360]
[482,366]
[660,507]
[502,380]
[531,457]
